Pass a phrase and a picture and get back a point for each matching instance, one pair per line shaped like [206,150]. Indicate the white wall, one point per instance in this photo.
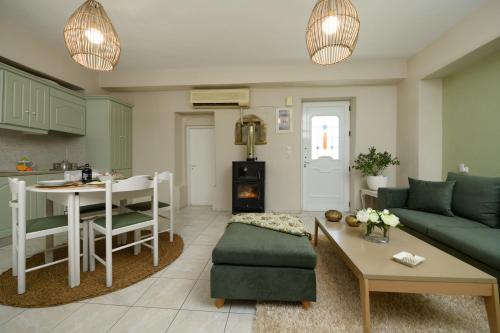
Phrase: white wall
[420,94]
[20,46]
[374,123]
[349,72]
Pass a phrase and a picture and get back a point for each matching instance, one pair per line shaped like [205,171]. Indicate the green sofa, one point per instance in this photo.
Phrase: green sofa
[472,234]
[253,263]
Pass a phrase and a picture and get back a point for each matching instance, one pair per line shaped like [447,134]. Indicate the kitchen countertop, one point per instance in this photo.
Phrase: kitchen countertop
[29,173]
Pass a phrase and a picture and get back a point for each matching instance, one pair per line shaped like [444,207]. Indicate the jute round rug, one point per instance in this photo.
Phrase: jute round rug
[338,307]
[49,286]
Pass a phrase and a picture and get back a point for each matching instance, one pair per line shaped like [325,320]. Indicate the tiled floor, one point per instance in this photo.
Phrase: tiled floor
[176,299]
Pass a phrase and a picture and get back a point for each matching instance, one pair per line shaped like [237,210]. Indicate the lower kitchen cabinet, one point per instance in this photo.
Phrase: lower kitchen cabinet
[41,198]
[125,172]
[35,202]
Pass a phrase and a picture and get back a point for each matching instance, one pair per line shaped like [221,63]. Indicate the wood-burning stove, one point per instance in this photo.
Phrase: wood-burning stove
[249,183]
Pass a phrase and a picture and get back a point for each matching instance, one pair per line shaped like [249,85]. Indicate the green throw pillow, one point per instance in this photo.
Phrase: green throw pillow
[432,197]
[477,198]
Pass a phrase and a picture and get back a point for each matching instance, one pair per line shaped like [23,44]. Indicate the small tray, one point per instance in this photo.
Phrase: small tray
[408,259]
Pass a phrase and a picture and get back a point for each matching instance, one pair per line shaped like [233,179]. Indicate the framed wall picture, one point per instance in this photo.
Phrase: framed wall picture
[283,120]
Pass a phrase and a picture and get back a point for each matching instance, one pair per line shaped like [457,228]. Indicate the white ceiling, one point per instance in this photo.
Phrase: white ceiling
[195,33]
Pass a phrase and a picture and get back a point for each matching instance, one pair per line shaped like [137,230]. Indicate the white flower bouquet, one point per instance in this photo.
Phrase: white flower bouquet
[376,224]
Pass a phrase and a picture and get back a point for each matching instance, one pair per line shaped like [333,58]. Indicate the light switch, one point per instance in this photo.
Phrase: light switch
[289,101]
[288,151]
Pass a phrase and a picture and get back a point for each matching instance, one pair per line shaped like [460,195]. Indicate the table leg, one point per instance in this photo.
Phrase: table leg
[76,230]
[365,304]
[71,240]
[493,310]
[315,232]
[363,203]
[49,240]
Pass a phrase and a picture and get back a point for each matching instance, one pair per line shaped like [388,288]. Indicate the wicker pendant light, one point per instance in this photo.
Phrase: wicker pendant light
[91,38]
[332,31]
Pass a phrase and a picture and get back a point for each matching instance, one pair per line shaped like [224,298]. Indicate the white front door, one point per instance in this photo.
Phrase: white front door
[325,162]
[201,165]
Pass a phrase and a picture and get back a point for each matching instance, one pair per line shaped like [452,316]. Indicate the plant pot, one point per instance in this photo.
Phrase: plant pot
[376,234]
[374,182]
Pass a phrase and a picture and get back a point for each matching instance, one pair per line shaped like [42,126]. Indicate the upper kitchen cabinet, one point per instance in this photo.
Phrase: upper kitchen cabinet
[109,134]
[67,112]
[16,100]
[25,102]
[33,104]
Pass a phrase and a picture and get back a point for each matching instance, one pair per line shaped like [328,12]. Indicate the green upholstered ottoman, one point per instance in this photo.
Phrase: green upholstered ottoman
[253,263]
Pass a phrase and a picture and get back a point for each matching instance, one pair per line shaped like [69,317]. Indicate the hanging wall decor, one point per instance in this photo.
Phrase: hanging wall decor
[91,39]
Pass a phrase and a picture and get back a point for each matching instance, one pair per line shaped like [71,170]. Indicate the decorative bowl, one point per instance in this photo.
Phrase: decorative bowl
[333,215]
[352,221]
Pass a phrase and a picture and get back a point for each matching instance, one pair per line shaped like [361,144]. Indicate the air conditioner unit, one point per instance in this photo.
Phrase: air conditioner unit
[220,98]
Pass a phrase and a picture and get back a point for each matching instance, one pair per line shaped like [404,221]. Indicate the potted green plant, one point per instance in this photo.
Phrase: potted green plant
[372,166]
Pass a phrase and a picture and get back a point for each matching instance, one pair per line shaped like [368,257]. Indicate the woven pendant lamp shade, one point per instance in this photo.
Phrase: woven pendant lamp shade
[91,38]
[332,31]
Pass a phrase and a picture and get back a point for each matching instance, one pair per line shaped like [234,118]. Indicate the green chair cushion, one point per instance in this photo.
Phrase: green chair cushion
[481,244]
[145,206]
[124,220]
[477,198]
[94,208]
[423,221]
[249,245]
[46,223]
[432,197]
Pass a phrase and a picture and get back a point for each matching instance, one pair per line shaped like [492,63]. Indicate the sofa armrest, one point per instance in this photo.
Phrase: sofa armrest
[392,197]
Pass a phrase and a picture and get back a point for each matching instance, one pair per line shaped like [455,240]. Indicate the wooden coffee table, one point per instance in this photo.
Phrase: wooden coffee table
[441,273]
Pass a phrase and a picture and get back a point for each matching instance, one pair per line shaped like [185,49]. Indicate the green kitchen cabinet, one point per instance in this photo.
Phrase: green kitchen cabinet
[29,103]
[16,100]
[67,112]
[41,198]
[5,215]
[6,211]
[25,102]
[39,105]
[109,134]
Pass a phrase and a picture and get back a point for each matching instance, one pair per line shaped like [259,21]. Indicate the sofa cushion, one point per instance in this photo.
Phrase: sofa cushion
[432,197]
[248,245]
[423,221]
[477,198]
[481,244]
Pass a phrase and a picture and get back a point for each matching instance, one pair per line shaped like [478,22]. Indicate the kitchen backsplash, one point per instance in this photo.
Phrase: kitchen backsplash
[43,150]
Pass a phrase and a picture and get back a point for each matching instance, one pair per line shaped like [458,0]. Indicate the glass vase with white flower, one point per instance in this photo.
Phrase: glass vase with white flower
[377,224]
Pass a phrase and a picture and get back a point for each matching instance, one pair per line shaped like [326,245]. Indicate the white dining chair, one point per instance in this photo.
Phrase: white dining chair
[121,223]
[145,206]
[24,230]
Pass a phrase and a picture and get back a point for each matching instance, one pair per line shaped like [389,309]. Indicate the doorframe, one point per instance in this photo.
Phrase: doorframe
[188,156]
[347,102]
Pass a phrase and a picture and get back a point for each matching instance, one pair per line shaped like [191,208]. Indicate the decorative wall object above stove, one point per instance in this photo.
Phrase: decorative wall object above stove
[91,38]
[332,31]
[241,130]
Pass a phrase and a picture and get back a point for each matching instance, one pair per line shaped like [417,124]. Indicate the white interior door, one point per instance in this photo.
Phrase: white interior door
[325,142]
[201,165]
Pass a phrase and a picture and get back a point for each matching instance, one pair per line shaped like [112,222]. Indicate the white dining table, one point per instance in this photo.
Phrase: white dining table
[74,197]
